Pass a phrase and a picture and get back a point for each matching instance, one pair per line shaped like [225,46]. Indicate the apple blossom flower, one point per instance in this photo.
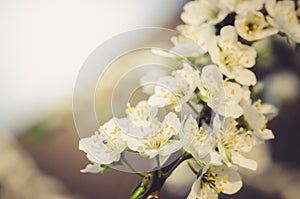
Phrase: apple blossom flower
[203,11]
[185,46]
[232,57]
[255,116]
[222,96]
[150,78]
[106,145]
[253,26]
[152,138]
[242,6]
[141,113]
[144,133]
[140,119]
[202,35]
[258,122]
[283,16]
[268,110]
[197,141]
[176,89]
[215,180]
[233,144]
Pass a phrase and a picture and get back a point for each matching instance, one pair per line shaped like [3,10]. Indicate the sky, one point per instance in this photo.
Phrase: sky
[45,42]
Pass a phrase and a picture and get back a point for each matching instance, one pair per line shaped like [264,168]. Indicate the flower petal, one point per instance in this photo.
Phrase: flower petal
[244,162]
[246,77]
[234,183]
[92,168]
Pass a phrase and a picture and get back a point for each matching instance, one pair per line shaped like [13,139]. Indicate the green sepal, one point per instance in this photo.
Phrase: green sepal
[104,167]
[138,190]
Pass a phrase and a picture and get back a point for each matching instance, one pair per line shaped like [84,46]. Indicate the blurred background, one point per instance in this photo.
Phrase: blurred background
[43,45]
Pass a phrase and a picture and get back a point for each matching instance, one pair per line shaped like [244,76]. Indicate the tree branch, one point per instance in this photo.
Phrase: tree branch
[153,182]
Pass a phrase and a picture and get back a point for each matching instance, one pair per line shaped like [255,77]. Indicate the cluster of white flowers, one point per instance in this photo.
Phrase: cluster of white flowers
[252,19]
[237,121]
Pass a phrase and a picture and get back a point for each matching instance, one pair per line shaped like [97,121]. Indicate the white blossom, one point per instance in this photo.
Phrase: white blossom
[202,35]
[232,57]
[233,144]
[203,11]
[176,89]
[140,120]
[141,113]
[150,78]
[106,145]
[242,6]
[222,96]
[254,115]
[147,135]
[198,141]
[253,26]
[283,16]
[186,47]
[215,180]
[92,168]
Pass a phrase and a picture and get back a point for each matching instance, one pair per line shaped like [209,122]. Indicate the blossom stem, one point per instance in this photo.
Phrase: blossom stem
[130,168]
[158,167]
[191,167]
[198,162]
[152,183]
[192,107]
[184,157]
[140,189]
